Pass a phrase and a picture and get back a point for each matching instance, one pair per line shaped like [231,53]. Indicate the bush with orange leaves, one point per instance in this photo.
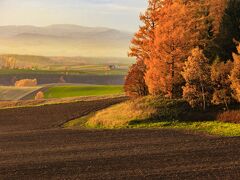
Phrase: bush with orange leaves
[230,116]
[39,95]
[135,85]
[26,83]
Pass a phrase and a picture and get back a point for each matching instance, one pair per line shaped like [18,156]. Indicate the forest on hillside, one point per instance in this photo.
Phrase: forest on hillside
[188,49]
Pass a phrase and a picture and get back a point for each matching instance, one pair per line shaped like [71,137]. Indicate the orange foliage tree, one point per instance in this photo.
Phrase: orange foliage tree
[217,10]
[26,83]
[39,95]
[220,73]
[135,84]
[141,44]
[9,62]
[182,26]
[196,73]
[141,48]
[235,75]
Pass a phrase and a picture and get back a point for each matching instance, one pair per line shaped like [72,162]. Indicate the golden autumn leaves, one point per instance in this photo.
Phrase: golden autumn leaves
[235,75]
[175,43]
[196,73]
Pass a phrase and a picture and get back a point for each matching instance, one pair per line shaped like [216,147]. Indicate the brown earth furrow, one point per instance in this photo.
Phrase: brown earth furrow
[49,116]
[33,146]
[122,161]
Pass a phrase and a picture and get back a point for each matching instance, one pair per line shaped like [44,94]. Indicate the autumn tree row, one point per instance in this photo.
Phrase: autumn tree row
[206,84]
[177,48]
[9,62]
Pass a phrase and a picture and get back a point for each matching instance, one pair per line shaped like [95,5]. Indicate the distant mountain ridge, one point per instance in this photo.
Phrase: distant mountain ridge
[55,30]
[64,40]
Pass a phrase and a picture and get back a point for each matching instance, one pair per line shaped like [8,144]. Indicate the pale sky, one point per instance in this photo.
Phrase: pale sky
[118,14]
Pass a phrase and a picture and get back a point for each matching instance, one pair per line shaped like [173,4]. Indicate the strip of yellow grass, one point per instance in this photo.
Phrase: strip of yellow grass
[121,114]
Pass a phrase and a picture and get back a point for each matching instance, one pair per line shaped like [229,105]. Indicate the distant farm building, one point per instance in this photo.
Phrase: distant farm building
[112,67]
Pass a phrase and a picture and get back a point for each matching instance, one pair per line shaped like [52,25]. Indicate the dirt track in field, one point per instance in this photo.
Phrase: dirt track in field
[33,146]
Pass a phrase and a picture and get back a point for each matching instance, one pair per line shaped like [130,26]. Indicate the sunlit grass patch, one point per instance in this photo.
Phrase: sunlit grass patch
[211,127]
[208,127]
[141,109]
[152,112]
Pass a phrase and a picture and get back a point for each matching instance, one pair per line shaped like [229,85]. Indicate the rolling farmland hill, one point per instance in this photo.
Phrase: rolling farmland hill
[44,62]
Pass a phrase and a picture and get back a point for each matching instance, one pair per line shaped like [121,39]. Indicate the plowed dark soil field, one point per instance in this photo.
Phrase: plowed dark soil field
[33,146]
[49,116]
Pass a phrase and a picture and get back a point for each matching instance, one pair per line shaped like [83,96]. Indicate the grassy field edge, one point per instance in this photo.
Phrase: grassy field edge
[156,112]
[207,127]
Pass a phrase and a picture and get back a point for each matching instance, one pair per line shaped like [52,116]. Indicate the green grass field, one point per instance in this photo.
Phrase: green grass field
[152,112]
[75,91]
[208,127]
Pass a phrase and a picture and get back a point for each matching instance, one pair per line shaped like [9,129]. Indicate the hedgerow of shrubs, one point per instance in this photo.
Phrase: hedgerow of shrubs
[230,116]
[26,83]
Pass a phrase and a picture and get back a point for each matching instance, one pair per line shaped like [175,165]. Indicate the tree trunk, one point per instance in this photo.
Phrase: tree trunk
[226,104]
[172,79]
[203,96]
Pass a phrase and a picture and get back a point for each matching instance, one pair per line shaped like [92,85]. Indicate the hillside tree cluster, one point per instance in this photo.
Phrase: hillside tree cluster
[187,49]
